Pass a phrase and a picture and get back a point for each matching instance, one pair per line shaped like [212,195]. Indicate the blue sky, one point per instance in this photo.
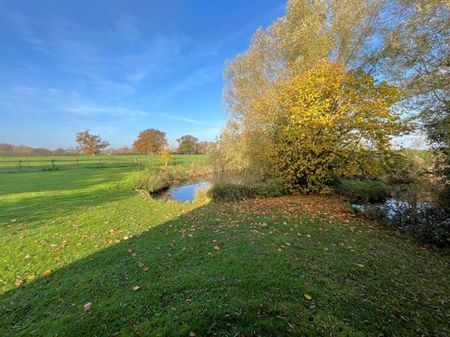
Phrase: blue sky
[118,67]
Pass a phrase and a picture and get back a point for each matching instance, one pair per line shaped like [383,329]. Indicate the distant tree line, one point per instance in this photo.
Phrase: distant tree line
[152,141]
[149,141]
[23,150]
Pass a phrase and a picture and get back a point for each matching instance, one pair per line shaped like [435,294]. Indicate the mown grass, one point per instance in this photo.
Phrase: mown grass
[37,163]
[219,269]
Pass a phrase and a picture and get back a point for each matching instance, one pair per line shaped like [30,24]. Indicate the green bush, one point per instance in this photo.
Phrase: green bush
[362,190]
[271,188]
[231,192]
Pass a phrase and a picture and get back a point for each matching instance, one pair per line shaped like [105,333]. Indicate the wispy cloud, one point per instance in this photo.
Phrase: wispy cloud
[89,110]
[193,80]
[127,27]
[158,57]
[182,119]
[24,26]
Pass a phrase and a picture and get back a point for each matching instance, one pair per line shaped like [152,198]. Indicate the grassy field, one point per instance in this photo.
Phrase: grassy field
[291,266]
[38,163]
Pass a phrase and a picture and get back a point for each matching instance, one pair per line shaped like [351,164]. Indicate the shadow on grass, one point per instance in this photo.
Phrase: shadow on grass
[58,193]
[211,273]
[53,181]
[35,211]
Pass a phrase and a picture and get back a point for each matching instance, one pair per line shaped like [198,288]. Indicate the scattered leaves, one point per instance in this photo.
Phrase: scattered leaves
[87,307]
[48,273]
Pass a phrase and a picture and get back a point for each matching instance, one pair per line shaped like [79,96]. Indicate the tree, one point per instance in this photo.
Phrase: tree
[339,31]
[187,144]
[6,149]
[324,123]
[90,144]
[150,141]
[416,56]
[165,156]
[203,147]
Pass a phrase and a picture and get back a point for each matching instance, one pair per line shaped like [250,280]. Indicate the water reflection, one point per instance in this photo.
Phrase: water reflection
[389,208]
[182,193]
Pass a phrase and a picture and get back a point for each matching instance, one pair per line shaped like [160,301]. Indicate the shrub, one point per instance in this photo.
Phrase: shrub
[271,188]
[230,192]
[202,194]
[362,190]
[429,224]
[152,180]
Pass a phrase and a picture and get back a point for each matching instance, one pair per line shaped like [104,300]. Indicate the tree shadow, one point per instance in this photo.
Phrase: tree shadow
[54,181]
[31,198]
[209,272]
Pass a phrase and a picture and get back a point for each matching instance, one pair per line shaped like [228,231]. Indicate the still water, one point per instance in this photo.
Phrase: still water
[389,208]
[183,193]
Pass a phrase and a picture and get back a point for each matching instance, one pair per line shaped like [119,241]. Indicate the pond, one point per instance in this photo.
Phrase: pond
[182,193]
[187,191]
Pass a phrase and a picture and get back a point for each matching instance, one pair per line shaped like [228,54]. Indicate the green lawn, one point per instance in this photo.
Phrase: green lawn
[293,266]
[38,163]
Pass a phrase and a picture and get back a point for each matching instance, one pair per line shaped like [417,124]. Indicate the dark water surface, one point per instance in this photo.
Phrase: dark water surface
[389,208]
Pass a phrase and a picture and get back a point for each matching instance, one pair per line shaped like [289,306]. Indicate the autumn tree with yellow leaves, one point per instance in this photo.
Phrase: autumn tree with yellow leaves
[324,123]
[303,104]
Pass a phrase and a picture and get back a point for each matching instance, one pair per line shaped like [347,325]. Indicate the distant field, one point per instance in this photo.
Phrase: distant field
[83,161]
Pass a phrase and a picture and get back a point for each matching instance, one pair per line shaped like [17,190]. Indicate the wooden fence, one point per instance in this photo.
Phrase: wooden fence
[56,164]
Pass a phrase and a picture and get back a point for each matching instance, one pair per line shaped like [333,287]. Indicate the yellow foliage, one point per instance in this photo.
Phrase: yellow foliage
[164,156]
[322,123]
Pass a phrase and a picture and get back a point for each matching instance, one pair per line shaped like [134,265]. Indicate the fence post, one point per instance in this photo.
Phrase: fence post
[135,162]
[100,163]
[76,163]
[53,164]
[20,164]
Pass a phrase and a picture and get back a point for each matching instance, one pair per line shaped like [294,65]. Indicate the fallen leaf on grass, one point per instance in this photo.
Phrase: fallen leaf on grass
[308,297]
[360,265]
[192,334]
[31,277]
[87,307]
[47,273]
[20,283]
[136,288]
